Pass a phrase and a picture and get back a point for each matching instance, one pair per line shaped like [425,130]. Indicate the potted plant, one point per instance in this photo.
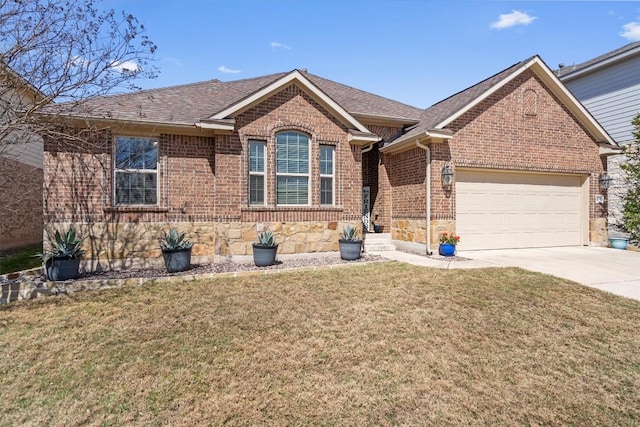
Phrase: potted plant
[350,244]
[176,251]
[62,261]
[618,240]
[264,251]
[448,244]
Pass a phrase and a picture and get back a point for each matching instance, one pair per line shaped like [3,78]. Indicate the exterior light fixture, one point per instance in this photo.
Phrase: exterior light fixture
[605,181]
[447,177]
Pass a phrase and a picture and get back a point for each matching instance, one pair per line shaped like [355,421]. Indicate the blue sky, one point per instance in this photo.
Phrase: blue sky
[417,52]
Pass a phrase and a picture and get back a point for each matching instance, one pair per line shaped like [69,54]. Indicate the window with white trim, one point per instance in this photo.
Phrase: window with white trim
[292,168]
[257,184]
[327,156]
[136,171]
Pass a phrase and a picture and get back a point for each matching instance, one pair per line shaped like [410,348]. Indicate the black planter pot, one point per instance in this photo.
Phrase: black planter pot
[264,255]
[60,269]
[350,249]
[177,260]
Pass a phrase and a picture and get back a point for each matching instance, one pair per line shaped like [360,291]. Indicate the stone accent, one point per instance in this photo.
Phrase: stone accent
[21,285]
[598,233]
[441,226]
[111,246]
[409,230]
[414,231]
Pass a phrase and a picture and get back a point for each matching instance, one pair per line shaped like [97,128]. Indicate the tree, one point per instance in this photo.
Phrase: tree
[61,51]
[66,50]
[631,167]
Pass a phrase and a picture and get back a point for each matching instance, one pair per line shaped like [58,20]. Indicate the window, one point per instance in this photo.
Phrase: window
[136,171]
[256,173]
[326,174]
[292,168]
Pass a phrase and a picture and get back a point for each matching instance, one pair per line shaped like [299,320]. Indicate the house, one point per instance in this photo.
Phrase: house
[21,170]
[609,87]
[303,156]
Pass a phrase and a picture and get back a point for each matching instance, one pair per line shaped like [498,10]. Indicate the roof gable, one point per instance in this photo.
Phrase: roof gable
[297,77]
[440,115]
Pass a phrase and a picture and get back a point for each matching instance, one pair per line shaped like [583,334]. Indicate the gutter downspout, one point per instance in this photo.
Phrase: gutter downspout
[367,149]
[428,183]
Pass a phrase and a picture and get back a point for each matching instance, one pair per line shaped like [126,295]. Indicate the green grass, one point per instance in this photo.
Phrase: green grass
[20,258]
[380,344]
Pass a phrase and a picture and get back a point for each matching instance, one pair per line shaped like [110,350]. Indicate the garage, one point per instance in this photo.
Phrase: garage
[498,210]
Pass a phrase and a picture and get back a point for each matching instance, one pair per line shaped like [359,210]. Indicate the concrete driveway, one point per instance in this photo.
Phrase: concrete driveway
[610,270]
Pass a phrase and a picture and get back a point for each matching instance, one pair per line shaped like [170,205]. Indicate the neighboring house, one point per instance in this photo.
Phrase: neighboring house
[20,166]
[292,152]
[609,87]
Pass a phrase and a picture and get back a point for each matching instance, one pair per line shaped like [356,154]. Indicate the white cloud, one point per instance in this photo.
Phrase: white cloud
[631,31]
[277,45]
[125,67]
[512,19]
[226,70]
[174,61]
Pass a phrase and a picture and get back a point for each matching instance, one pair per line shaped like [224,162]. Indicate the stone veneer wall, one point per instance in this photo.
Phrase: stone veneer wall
[115,246]
[414,231]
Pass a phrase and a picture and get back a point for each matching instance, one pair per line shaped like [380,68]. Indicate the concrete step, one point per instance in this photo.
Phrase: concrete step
[378,242]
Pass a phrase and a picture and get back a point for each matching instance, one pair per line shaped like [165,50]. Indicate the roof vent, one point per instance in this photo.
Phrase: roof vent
[561,65]
[304,70]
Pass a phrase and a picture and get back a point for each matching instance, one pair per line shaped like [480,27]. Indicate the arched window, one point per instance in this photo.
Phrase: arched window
[292,168]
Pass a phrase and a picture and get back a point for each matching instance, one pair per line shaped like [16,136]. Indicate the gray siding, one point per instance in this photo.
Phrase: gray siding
[612,95]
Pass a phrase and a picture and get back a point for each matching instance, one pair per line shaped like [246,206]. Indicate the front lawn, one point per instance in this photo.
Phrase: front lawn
[20,258]
[380,344]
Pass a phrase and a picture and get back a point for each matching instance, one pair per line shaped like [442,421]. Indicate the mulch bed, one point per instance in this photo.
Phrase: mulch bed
[228,267]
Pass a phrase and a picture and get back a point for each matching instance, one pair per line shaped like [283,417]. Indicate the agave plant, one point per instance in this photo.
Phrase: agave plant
[66,245]
[266,238]
[350,233]
[174,240]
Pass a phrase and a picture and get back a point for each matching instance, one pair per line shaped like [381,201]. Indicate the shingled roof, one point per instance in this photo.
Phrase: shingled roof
[563,71]
[440,111]
[190,103]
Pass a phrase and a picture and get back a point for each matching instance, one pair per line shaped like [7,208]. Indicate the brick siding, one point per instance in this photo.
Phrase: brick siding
[20,204]
[375,176]
[500,133]
[203,180]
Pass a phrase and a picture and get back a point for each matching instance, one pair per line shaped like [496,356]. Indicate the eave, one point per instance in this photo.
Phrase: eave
[431,136]
[601,64]
[391,121]
[606,150]
[138,126]
[362,138]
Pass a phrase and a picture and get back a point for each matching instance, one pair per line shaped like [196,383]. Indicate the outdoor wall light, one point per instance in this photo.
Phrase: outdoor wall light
[447,177]
[605,181]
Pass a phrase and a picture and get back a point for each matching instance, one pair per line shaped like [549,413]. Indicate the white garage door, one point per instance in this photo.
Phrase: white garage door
[516,210]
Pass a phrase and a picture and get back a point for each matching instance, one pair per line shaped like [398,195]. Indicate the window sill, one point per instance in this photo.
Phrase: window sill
[291,209]
[145,209]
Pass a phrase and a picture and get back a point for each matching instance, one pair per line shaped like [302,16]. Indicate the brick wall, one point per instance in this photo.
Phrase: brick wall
[20,204]
[293,109]
[203,182]
[376,176]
